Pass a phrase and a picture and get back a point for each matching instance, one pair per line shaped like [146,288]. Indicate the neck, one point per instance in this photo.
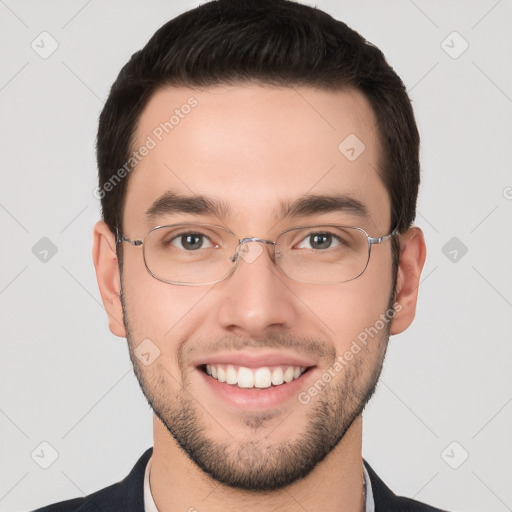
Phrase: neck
[335,484]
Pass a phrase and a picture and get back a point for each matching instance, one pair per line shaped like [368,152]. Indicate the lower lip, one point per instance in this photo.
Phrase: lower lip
[257,398]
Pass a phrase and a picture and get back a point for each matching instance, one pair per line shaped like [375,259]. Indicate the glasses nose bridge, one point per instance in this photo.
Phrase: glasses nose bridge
[245,240]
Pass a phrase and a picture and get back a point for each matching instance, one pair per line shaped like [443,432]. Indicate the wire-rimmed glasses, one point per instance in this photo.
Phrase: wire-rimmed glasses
[193,254]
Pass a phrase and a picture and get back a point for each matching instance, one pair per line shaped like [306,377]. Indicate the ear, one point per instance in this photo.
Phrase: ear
[107,274]
[412,258]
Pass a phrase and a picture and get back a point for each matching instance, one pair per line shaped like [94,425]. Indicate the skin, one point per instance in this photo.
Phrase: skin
[251,147]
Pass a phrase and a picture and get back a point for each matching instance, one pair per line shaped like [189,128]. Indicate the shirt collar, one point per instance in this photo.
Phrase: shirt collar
[149,502]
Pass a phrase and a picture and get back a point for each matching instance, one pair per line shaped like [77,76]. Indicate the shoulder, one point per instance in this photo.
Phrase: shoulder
[386,500]
[127,494]
[68,505]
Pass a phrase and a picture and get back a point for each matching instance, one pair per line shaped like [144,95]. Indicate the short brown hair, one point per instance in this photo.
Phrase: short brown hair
[277,42]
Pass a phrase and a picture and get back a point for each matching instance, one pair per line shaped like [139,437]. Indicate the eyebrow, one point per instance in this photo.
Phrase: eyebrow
[171,203]
[317,204]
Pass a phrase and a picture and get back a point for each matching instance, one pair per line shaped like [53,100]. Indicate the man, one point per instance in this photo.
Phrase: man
[258,172]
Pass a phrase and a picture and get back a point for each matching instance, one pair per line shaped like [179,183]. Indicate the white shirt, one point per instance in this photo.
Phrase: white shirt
[149,502]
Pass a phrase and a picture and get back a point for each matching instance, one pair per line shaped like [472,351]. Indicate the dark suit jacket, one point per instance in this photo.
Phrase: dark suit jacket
[128,496]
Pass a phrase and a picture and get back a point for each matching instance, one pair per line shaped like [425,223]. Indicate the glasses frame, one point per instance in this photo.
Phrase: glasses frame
[241,241]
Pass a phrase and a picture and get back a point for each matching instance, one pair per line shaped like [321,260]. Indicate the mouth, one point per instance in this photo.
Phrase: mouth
[254,381]
[262,377]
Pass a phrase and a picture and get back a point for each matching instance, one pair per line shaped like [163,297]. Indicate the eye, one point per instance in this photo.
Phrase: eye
[319,241]
[191,241]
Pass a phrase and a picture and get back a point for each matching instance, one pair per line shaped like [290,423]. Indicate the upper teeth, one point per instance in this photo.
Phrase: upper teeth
[262,377]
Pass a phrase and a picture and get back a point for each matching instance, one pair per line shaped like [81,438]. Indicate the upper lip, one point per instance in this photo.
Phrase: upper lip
[253,360]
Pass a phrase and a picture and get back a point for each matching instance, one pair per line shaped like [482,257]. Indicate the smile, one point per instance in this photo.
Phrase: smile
[263,377]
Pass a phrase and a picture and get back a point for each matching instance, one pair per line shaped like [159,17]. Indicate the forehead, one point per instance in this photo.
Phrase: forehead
[253,147]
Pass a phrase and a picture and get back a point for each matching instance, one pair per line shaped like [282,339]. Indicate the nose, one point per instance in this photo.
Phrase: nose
[256,300]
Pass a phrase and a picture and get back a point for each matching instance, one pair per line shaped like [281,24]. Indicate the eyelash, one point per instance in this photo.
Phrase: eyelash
[179,237]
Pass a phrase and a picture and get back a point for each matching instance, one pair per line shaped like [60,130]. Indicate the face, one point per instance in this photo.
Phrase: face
[251,151]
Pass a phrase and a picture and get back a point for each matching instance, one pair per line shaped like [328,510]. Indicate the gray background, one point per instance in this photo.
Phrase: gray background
[65,380]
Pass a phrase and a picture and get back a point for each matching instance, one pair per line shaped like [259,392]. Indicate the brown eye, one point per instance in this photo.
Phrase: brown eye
[319,241]
[191,241]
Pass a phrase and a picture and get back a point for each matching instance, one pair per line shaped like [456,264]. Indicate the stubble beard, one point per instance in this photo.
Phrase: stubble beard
[256,464]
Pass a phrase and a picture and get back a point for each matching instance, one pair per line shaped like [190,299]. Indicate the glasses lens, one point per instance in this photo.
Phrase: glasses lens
[204,254]
[189,253]
[323,254]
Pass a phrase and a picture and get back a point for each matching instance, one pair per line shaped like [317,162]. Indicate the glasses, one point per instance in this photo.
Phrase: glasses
[193,254]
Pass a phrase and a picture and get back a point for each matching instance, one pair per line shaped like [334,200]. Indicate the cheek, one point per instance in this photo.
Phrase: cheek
[348,309]
[159,311]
